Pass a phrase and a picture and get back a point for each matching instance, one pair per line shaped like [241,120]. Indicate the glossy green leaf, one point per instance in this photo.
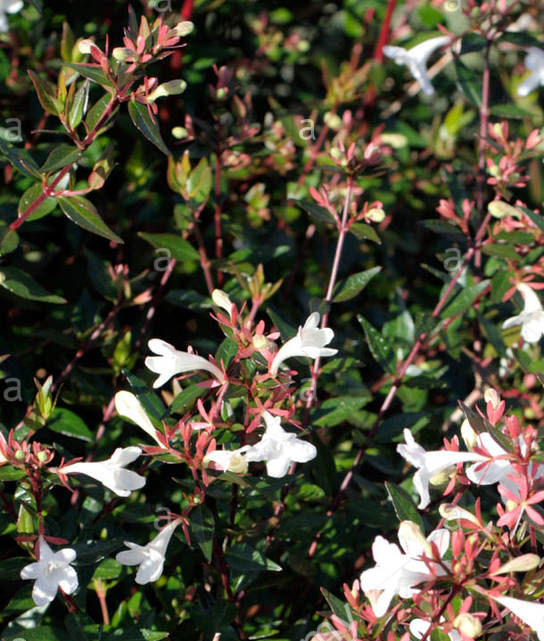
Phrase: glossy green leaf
[22,284]
[202,529]
[47,93]
[379,347]
[66,422]
[469,83]
[61,156]
[316,212]
[179,248]
[79,105]
[92,72]
[147,125]
[30,196]
[461,300]
[405,509]
[82,212]
[20,159]
[365,232]
[353,285]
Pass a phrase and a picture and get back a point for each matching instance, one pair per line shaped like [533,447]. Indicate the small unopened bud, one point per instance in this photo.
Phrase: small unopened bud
[238,464]
[397,141]
[170,88]
[42,456]
[336,153]
[375,215]
[179,132]
[122,53]
[411,532]
[491,395]
[221,299]
[19,455]
[303,46]
[184,28]
[469,435]
[84,46]
[221,93]
[500,209]
[452,512]
[259,341]
[468,625]
[333,121]
[522,563]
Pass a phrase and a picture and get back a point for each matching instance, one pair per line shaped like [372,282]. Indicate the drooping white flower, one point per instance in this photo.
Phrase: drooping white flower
[534,61]
[8,6]
[229,460]
[531,318]
[529,612]
[279,448]
[149,557]
[222,300]
[171,361]
[51,571]
[128,406]
[396,572]
[309,341]
[111,472]
[431,463]
[416,59]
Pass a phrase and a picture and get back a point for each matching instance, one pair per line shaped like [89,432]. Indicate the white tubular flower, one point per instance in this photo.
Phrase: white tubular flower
[111,472]
[398,573]
[309,341]
[229,460]
[128,406]
[171,361]
[529,612]
[534,62]
[531,318]
[416,59]
[8,6]
[222,300]
[431,463]
[51,571]
[279,448]
[496,469]
[149,557]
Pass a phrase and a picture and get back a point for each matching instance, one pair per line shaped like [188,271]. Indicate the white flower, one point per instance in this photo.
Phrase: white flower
[416,59]
[531,318]
[85,45]
[8,6]
[229,460]
[51,571]
[171,362]
[529,612]
[222,300]
[419,627]
[398,573]
[128,406]
[534,62]
[279,448]
[431,463]
[149,557]
[309,341]
[111,472]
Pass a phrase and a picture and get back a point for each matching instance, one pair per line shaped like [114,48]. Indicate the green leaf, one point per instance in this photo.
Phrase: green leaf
[29,197]
[41,633]
[520,38]
[226,351]
[22,284]
[340,608]
[20,159]
[97,110]
[244,559]
[185,400]
[9,240]
[472,42]
[202,528]
[61,156]
[469,83]
[179,248]
[442,227]
[47,93]
[403,505]
[151,403]
[537,219]
[500,250]
[65,422]
[316,212]
[199,183]
[379,346]
[365,232]
[509,111]
[82,212]
[337,410]
[10,473]
[79,105]
[353,285]
[91,71]
[147,125]
[463,299]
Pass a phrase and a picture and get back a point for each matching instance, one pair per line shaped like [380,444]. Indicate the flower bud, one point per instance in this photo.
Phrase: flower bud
[397,141]
[19,455]
[42,456]
[259,341]
[221,93]
[122,53]
[375,215]
[410,531]
[184,28]
[452,512]
[491,395]
[500,209]
[333,121]
[221,299]
[468,625]
[238,464]
[469,435]
[522,563]
[179,132]
[170,88]
[84,46]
